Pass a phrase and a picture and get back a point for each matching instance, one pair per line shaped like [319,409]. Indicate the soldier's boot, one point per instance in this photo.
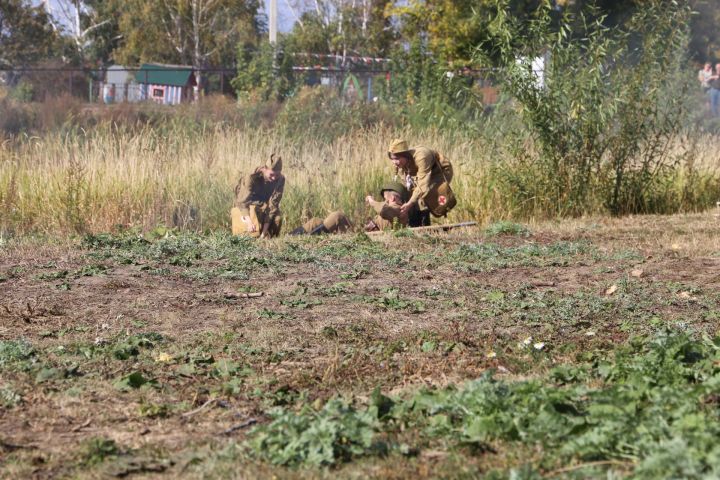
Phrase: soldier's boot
[319,229]
[275,226]
[310,225]
[371,226]
[298,231]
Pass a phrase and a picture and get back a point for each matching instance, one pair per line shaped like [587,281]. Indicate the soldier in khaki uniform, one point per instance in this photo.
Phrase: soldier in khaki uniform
[389,210]
[336,222]
[421,171]
[256,210]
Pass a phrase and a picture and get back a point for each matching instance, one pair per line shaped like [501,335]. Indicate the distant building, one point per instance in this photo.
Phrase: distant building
[119,86]
[166,84]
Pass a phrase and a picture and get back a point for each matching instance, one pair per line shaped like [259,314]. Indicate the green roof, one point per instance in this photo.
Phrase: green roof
[178,76]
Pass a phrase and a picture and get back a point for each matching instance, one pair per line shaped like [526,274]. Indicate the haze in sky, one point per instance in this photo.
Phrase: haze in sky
[285,16]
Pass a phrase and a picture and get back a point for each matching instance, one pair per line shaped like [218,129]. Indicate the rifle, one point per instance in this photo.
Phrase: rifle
[430,228]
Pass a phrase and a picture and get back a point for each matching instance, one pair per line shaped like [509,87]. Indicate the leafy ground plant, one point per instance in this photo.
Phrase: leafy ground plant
[650,410]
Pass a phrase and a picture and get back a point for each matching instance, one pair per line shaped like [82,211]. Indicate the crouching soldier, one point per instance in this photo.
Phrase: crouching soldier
[388,211]
[256,210]
[336,222]
[427,175]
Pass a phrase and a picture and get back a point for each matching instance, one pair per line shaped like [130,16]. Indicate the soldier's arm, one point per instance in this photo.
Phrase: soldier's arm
[386,211]
[242,192]
[424,159]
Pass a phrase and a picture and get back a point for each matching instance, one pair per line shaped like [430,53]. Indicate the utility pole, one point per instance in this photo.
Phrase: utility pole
[273,34]
[273,22]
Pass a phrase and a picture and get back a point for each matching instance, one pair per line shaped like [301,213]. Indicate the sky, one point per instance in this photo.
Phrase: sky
[285,16]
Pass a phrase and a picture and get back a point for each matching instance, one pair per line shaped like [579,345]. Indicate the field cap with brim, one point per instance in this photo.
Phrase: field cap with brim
[275,163]
[398,146]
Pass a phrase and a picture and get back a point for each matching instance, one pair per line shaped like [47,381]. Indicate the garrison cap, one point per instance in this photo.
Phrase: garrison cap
[398,146]
[275,163]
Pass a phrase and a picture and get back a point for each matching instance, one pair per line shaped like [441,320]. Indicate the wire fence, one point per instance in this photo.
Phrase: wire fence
[183,84]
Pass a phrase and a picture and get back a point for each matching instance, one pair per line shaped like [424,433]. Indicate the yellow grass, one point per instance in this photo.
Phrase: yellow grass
[97,181]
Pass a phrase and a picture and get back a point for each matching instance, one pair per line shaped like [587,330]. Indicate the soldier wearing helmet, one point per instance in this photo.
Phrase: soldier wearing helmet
[389,210]
[256,210]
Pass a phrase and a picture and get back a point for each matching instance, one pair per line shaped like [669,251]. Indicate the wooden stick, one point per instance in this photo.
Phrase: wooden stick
[243,295]
[586,465]
[430,228]
[240,426]
[199,409]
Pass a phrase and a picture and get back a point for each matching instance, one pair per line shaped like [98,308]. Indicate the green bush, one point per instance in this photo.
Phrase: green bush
[320,112]
[607,112]
[23,92]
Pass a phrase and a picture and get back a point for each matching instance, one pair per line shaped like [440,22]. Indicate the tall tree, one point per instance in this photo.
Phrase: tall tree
[705,25]
[26,34]
[90,26]
[343,27]
[191,32]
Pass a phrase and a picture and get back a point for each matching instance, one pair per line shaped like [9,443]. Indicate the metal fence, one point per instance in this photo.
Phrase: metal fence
[133,84]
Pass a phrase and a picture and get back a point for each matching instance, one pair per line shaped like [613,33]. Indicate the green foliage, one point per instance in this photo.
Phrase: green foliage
[490,256]
[650,409]
[22,92]
[15,352]
[133,381]
[96,450]
[183,31]
[429,94]
[264,72]
[602,116]
[506,228]
[321,112]
[131,346]
[9,398]
[337,433]
[26,34]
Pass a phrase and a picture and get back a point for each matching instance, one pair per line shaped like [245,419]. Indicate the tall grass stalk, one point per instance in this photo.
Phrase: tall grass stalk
[99,180]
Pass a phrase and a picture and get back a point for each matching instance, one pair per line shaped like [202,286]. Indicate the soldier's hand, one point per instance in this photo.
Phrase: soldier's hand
[248,223]
[369,199]
[405,208]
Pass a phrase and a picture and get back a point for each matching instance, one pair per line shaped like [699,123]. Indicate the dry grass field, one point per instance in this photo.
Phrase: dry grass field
[571,349]
[105,178]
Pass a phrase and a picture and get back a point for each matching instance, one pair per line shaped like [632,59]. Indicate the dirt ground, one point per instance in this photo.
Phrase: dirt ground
[224,331]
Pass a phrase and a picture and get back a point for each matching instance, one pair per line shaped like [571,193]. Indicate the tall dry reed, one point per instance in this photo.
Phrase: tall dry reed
[96,182]
[99,180]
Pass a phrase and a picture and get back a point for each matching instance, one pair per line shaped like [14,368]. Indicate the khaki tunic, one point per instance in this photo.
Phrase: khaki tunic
[422,174]
[387,213]
[253,192]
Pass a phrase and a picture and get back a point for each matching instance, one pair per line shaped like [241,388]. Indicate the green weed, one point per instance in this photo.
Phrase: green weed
[646,409]
[97,450]
[506,228]
[16,354]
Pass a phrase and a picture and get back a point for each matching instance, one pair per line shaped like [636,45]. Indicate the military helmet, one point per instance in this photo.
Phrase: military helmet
[396,187]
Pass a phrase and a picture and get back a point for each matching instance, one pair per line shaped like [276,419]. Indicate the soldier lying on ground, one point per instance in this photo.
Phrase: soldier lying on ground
[256,210]
[423,171]
[389,210]
[336,222]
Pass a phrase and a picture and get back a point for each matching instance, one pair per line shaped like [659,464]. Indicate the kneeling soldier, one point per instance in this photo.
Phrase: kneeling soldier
[256,210]
[388,211]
